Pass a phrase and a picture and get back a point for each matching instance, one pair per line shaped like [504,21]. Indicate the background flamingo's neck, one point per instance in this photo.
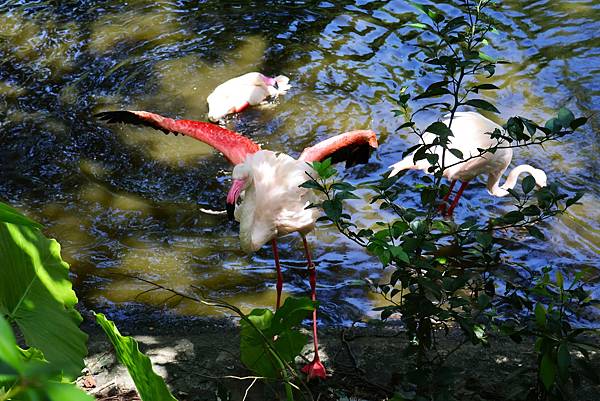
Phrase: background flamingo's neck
[512,178]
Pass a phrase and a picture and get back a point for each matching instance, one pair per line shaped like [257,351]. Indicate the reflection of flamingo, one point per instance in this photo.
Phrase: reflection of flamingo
[268,184]
[471,132]
[238,93]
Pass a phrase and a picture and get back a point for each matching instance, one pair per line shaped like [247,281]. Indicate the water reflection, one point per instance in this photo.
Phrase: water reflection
[126,200]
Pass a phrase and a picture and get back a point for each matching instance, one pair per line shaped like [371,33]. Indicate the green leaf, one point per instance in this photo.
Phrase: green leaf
[405,125]
[8,347]
[578,122]
[259,352]
[457,153]
[311,185]
[65,392]
[291,313]
[528,184]
[399,253]
[547,371]
[513,217]
[575,198]
[565,117]
[150,386]
[553,125]
[540,315]
[418,25]
[343,186]
[440,129]
[563,358]
[482,104]
[536,232]
[477,88]
[332,208]
[486,57]
[10,215]
[560,281]
[36,294]
[434,92]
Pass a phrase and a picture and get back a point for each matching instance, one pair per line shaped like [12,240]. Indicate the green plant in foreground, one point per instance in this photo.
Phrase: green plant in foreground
[150,386]
[552,304]
[444,270]
[36,294]
[25,374]
[270,341]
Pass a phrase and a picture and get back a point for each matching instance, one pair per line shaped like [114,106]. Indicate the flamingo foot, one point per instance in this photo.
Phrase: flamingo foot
[315,369]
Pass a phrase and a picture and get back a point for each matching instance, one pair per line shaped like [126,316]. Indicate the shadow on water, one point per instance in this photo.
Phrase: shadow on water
[126,200]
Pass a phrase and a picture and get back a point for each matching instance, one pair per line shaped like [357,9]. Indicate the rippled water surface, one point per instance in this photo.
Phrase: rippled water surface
[126,200]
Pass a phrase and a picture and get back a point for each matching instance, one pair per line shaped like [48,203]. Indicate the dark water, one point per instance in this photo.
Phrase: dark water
[126,200]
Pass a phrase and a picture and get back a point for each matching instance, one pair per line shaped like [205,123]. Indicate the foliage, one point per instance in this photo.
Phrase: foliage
[444,269]
[270,340]
[36,294]
[551,304]
[26,375]
[150,386]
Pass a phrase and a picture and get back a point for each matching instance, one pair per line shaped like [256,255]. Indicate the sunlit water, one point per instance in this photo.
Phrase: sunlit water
[126,200]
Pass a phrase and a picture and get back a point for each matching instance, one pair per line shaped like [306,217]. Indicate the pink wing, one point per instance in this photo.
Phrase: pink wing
[353,147]
[234,146]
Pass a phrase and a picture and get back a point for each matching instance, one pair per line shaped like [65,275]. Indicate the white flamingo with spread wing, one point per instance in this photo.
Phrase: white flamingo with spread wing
[268,184]
[246,90]
[472,132]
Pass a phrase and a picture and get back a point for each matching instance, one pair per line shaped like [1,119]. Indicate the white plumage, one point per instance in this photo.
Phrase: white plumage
[238,93]
[273,203]
[472,132]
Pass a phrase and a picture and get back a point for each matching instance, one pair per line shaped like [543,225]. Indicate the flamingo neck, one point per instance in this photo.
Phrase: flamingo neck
[495,189]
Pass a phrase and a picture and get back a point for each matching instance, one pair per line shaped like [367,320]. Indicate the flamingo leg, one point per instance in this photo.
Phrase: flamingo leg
[457,197]
[314,368]
[279,275]
[442,206]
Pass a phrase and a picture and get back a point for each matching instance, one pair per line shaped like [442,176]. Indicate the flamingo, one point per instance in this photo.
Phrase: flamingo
[246,90]
[471,132]
[268,185]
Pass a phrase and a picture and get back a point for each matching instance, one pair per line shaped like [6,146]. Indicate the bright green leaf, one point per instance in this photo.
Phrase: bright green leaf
[35,293]
[150,386]
[8,346]
[10,215]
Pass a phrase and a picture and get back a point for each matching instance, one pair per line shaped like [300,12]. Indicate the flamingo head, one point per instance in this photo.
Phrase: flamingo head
[241,180]
[541,180]
[276,86]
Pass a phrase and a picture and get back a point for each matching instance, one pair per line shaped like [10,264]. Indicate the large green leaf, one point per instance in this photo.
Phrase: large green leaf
[150,386]
[9,352]
[29,376]
[36,294]
[10,215]
[271,338]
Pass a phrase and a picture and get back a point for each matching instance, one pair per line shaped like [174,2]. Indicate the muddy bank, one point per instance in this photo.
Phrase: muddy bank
[199,358]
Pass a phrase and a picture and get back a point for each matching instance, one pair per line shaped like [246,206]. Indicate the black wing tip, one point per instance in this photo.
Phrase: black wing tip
[128,117]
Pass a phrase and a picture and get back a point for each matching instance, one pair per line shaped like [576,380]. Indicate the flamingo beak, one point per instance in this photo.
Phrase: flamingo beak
[234,193]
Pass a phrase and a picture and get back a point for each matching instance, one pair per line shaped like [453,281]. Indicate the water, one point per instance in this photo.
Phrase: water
[125,201]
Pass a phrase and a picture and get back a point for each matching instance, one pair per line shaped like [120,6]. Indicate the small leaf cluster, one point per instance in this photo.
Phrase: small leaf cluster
[553,306]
